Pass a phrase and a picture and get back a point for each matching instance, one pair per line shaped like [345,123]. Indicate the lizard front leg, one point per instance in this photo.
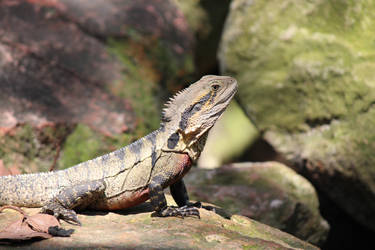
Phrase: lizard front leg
[159,203]
[180,195]
[69,198]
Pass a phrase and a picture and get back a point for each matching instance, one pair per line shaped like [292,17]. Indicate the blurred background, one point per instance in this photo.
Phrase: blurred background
[81,78]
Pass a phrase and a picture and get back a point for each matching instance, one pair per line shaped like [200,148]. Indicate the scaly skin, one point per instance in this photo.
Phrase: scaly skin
[137,172]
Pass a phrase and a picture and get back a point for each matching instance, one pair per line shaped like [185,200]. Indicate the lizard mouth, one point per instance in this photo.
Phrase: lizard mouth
[228,96]
[231,94]
[222,104]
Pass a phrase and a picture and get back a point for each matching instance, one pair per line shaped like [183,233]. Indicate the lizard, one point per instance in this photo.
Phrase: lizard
[137,172]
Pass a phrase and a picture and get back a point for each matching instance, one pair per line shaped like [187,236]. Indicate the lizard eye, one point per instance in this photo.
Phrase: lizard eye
[215,87]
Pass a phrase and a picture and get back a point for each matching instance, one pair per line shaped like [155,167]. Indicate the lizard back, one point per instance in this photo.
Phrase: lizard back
[34,190]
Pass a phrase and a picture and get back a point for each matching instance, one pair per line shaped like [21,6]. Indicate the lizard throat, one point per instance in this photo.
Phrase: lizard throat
[197,147]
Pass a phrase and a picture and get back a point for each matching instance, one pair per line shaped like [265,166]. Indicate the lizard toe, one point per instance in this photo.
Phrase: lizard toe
[189,210]
[69,216]
[60,212]
[170,212]
[185,211]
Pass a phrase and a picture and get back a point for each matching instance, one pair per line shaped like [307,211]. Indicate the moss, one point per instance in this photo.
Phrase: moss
[357,144]
[206,19]
[342,155]
[20,142]
[284,199]
[351,139]
[148,75]
[85,144]
[32,149]
[230,178]
[247,228]
[193,12]
[81,145]
[138,84]
[305,70]
[251,247]
[258,230]
[279,177]
[300,57]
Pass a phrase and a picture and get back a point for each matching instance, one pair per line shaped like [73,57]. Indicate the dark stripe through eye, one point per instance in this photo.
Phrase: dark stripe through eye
[197,107]
[191,110]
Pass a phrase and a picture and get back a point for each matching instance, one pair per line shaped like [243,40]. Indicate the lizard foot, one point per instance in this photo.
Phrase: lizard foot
[182,212]
[60,212]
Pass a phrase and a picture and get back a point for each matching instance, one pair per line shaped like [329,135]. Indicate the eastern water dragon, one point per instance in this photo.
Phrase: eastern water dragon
[137,172]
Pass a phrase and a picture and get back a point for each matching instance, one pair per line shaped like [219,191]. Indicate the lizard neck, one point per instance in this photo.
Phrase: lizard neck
[196,148]
[177,142]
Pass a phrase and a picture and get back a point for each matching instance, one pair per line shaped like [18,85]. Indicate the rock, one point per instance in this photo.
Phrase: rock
[206,19]
[268,192]
[92,73]
[306,74]
[52,72]
[137,229]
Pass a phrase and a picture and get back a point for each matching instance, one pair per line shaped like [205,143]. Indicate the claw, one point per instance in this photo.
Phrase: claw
[71,219]
[182,212]
[59,212]
[190,210]
[197,204]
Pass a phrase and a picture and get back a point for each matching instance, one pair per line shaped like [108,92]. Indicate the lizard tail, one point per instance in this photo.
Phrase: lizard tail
[29,190]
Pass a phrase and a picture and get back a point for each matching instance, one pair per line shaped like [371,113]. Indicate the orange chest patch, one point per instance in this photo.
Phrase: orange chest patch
[184,164]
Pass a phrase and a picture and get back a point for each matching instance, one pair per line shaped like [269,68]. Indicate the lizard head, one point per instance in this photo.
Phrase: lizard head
[193,111]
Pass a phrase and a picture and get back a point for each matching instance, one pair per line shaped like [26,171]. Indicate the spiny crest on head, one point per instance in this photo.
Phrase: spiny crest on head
[170,107]
[182,98]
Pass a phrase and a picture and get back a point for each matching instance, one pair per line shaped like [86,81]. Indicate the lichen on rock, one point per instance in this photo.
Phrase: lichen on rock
[268,192]
[99,71]
[137,229]
[305,73]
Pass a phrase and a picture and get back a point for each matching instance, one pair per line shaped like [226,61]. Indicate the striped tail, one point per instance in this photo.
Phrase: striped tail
[28,190]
